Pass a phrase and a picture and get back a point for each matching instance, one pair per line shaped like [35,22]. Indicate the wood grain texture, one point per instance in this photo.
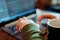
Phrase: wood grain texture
[5,36]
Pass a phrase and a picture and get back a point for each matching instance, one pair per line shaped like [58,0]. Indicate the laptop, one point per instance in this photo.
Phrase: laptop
[11,11]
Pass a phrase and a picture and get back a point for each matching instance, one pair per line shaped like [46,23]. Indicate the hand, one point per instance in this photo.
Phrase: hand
[22,22]
[44,30]
[49,16]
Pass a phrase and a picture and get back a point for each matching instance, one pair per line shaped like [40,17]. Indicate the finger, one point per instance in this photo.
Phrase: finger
[17,27]
[20,19]
[24,18]
[40,18]
[50,16]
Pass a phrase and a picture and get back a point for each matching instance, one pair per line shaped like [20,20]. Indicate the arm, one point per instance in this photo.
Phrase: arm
[31,32]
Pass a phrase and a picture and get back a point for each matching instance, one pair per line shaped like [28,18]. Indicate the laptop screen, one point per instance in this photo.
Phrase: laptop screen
[10,9]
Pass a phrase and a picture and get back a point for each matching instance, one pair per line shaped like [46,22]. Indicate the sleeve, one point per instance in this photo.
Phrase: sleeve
[31,32]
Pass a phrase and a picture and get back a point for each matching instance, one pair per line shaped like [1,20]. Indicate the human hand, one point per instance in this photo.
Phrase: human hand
[44,30]
[22,22]
[49,16]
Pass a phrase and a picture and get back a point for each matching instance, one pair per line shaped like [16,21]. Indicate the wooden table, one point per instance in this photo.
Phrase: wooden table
[6,36]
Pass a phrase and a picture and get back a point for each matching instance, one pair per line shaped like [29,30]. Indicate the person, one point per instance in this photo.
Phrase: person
[30,29]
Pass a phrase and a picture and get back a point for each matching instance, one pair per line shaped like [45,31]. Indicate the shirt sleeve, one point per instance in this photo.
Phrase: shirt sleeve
[31,32]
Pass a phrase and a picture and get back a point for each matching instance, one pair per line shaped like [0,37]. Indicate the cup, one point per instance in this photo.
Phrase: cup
[53,29]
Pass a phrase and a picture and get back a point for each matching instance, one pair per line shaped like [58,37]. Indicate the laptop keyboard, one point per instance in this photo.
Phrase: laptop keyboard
[13,28]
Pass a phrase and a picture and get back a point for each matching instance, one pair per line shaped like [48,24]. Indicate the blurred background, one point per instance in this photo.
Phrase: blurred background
[12,10]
